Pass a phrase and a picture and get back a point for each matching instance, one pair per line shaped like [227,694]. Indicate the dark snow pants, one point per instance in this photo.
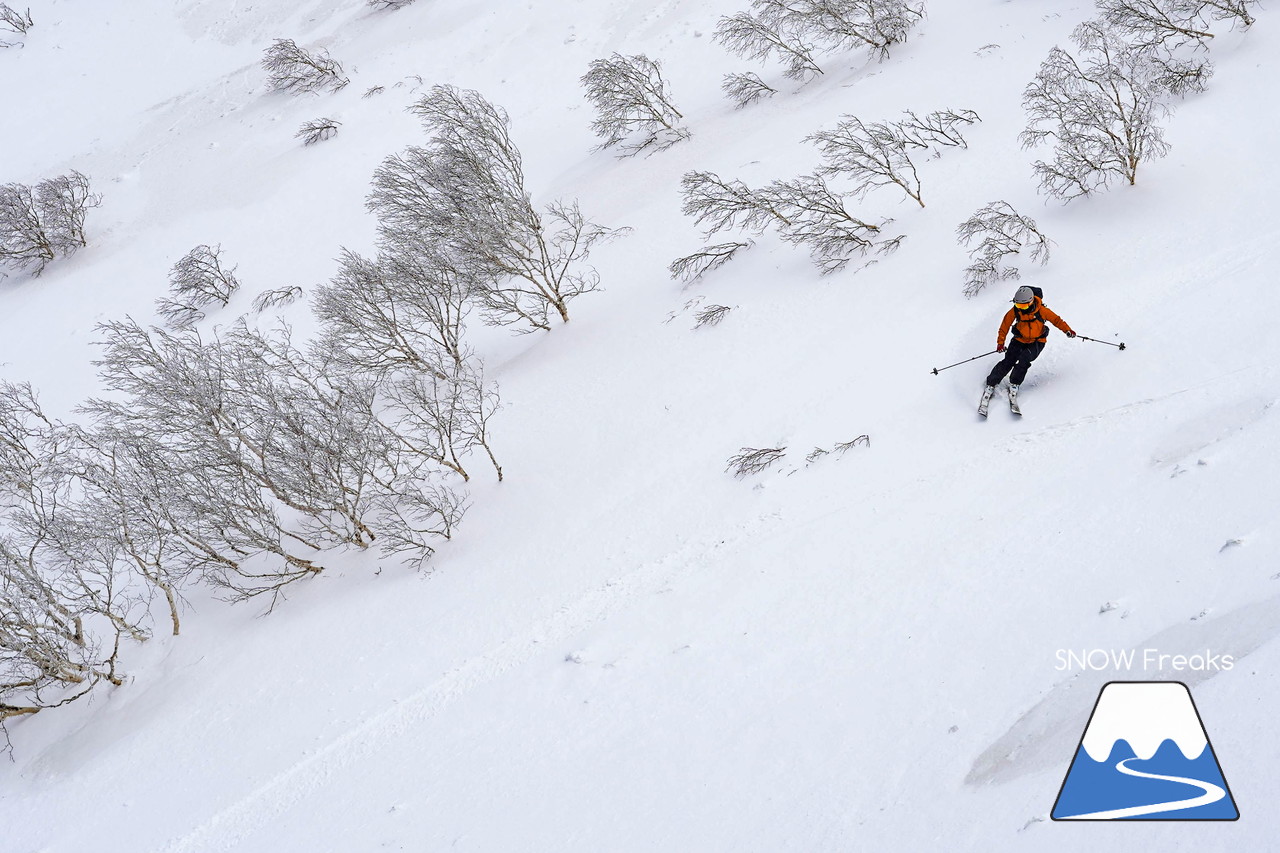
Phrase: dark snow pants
[1018,358]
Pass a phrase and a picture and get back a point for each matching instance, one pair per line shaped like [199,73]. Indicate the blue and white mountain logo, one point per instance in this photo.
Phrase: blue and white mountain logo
[1145,756]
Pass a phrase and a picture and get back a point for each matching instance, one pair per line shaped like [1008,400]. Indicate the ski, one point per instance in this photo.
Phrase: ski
[986,400]
[1013,400]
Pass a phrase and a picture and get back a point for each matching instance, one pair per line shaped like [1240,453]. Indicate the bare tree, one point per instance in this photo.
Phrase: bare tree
[64,607]
[816,218]
[422,512]
[753,460]
[752,36]
[840,449]
[400,311]
[206,457]
[1179,76]
[1171,35]
[1154,23]
[317,130]
[23,241]
[197,281]
[236,461]
[711,316]
[464,197]
[397,324]
[984,270]
[1170,24]
[389,4]
[199,278]
[793,30]
[309,435]
[941,128]
[843,447]
[717,204]
[870,155]
[292,69]
[805,210]
[1000,229]
[877,25]
[276,298]
[1235,11]
[443,414]
[47,656]
[1101,110]
[42,222]
[746,88]
[177,314]
[1001,232]
[547,274]
[63,203]
[119,487]
[633,104]
[693,267]
[225,528]
[15,21]
[265,459]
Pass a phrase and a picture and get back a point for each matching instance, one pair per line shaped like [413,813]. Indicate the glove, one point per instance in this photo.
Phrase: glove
[999,347]
[1071,334]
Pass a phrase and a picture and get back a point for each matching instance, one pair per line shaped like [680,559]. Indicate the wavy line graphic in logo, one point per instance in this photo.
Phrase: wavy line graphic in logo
[1145,756]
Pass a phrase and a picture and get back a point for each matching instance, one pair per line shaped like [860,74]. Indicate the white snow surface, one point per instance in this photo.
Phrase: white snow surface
[625,648]
[1144,715]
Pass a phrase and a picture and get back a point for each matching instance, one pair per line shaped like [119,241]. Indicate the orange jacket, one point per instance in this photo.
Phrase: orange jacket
[1029,326]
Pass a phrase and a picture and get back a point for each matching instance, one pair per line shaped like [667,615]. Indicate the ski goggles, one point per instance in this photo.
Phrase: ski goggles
[1022,306]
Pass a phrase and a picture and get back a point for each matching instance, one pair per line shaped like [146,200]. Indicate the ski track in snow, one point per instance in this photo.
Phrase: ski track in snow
[232,824]
[1243,413]
[1212,793]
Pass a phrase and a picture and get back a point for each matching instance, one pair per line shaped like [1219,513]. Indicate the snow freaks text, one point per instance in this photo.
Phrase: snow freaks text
[1150,660]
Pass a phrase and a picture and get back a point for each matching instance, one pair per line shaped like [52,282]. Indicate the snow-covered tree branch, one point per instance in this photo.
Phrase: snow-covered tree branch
[691,268]
[817,219]
[292,69]
[463,198]
[746,88]
[64,605]
[1001,232]
[793,31]
[717,204]
[634,110]
[1170,24]
[317,130]
[751,36]
[1101,110]
[40,223]
[806,211]
[869,155]
[404,310]
[15,21]
[938,129]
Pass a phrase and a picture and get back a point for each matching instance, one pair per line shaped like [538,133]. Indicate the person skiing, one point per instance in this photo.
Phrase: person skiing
[1028,319]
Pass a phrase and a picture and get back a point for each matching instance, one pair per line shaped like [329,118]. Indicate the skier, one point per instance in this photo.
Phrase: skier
[1028,318]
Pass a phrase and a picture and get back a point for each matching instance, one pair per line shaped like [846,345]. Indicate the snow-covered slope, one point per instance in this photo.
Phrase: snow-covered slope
[625,648]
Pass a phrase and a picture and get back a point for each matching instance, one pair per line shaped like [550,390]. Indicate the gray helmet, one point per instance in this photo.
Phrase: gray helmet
[1024,295]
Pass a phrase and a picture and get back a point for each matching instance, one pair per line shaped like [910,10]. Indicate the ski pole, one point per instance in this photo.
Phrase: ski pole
[1096,341]
[966,361]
